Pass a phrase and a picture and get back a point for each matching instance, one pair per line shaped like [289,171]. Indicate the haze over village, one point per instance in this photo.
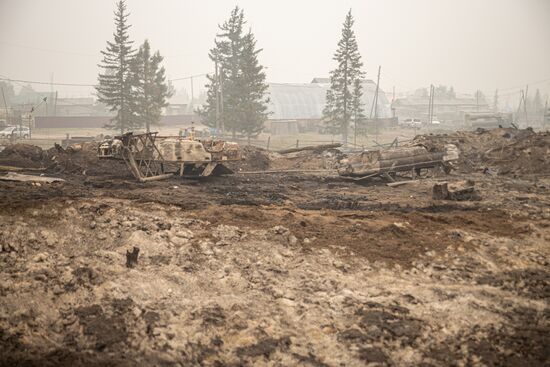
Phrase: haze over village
[274,183]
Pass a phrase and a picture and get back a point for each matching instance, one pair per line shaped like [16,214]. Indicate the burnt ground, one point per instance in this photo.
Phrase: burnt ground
[280,269]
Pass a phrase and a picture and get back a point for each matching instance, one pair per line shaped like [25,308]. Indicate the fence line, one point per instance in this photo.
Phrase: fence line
[269,144]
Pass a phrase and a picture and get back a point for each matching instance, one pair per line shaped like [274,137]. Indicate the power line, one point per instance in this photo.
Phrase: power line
[187,77]
[48,83]
[84,85]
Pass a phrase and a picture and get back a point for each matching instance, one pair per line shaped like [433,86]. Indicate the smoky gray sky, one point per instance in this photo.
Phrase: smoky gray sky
[469,44]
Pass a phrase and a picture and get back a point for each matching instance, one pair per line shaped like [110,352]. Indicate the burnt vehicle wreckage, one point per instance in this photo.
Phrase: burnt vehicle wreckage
[150,157]
[386,164]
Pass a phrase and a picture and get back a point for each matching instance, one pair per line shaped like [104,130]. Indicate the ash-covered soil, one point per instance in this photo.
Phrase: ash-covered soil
[280,270]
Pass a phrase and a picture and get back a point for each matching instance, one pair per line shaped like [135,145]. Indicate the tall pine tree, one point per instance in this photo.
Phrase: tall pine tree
[151,91]
[358,116]
[253,94]
[115,83]
[344,95]
[236,94]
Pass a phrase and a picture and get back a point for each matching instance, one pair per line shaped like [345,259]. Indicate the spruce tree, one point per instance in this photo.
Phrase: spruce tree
[345,81]
[151,91]
[115,83]
[241,81]
[253,99]
[358,116]
[495,101]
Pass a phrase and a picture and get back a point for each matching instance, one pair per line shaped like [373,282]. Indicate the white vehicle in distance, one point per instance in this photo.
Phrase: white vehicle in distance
[412,122]
[15,131]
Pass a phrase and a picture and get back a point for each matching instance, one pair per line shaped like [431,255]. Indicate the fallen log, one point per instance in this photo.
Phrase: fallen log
[317,148]
[12,176]
[287,171]
[18,169]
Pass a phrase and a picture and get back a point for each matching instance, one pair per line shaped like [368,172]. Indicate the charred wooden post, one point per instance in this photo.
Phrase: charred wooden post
[132,257]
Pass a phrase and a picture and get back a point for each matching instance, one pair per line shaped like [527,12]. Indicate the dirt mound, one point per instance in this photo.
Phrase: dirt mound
[76,159]
[308,160]
[528,155]
[22,155]
[82,159]
[254,159]
[505,151]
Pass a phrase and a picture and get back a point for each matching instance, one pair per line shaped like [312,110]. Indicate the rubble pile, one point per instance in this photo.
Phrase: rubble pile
[82,159]
[528,155]
[254,159]
[23,155]
[307,160]
[76,159]
[504,151]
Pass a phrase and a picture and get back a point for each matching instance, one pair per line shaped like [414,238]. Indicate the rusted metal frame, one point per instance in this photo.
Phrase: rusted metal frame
[130,162]
[149,164]
[160,160]
[145,162]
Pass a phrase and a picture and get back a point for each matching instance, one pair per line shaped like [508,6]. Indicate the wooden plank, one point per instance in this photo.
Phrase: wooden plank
[18,169]
[311,147]
[12,176]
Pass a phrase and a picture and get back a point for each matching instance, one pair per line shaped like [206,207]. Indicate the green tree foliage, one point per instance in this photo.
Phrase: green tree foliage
[239,93]
[115,83]
[345,92]
[150,88]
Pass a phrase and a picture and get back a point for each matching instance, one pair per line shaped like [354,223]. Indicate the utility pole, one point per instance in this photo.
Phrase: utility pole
[376,101]
[222,124]
[374,106]
[55,105]
[521,99]
[430,101]
[192,95]
[217,95]
[6,107]
[392,101]
[525,104]
[433,104]
[51,91]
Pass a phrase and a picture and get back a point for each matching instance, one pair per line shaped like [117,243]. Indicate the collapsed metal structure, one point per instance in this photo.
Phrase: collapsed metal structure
[150,157]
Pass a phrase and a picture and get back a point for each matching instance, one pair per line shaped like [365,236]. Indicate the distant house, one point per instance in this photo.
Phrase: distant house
[74,107]
[445,109]
[177,109]
[283,127]
[302,101]
[320,81]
